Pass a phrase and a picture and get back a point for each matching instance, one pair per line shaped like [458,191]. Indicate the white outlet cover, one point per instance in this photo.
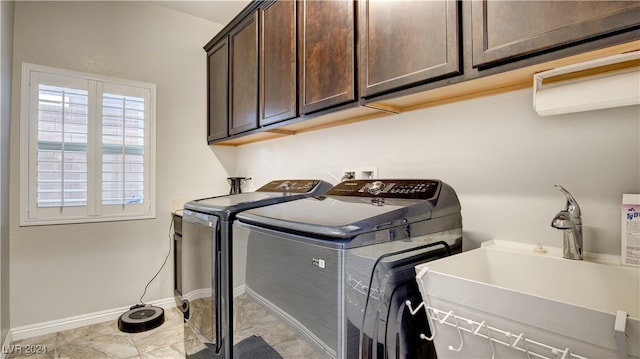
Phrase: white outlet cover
[363,172]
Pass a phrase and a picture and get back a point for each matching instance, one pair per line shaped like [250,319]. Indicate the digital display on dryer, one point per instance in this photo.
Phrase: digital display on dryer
[388,188]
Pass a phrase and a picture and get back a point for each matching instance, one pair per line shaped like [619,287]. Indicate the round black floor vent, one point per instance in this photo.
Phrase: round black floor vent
[140,319]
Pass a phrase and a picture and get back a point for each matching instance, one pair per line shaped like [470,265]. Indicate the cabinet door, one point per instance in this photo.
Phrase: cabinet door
[403,43]
[243,87]
[507,30]
[278,62]
[327,53]
[217,110]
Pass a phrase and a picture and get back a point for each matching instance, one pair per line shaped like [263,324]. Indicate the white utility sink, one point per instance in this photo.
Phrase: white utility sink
[564,304]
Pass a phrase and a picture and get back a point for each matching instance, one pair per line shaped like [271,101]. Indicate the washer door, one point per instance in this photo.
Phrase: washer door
[389,330]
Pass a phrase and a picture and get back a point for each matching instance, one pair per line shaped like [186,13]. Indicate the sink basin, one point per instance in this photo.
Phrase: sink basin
[560,303]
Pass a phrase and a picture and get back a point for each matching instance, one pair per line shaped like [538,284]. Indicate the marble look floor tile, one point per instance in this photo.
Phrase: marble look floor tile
[83,349]
[21,355]
[109,328]
[172,351]
[102,340]
[250,318]
[105,340]
[168,334]
[47,355]
[39,347]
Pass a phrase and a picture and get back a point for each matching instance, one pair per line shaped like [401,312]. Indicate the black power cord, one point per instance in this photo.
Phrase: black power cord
[163,263]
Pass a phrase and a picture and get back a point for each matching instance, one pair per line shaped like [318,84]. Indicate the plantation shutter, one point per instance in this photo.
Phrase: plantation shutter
[89,154]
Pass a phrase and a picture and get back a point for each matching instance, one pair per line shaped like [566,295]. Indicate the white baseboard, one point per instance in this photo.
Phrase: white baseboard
[239,290]
[197,294]
[53,326]
[203,293]
[6,345]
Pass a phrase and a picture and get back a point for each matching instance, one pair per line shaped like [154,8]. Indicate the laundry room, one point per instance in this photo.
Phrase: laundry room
[487,152]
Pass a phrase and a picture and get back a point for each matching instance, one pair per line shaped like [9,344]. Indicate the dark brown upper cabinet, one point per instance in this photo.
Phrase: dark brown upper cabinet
[278,90]
[217,86]
[404,43]
[326,38]
[243,85]
[281,67]
[508,30]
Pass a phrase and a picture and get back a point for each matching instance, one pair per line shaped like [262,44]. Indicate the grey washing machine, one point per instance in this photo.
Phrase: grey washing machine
[204,290]
[328,276]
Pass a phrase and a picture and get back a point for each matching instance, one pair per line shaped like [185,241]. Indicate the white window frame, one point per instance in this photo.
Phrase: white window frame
[94,211]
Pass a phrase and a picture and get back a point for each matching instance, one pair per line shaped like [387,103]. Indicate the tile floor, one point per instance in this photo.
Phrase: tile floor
[104,340]
[250,319]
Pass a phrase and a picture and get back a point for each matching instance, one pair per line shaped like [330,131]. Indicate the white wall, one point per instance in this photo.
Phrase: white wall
[6,46]
[501,158]
[69,270]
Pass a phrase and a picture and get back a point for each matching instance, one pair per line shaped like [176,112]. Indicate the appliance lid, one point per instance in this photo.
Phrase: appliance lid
[355,207]
[337,217]
[271,193]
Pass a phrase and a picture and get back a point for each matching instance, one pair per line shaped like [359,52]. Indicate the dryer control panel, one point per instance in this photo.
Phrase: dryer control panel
[290,186]
[423,189]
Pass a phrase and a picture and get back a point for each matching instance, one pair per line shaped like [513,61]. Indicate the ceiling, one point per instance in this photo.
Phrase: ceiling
[218,11]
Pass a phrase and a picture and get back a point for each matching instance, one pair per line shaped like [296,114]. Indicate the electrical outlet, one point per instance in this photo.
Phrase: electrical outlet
[368,173]
[360,173]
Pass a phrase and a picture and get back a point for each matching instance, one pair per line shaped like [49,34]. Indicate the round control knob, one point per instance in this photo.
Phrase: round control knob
[375,188]
[285,186]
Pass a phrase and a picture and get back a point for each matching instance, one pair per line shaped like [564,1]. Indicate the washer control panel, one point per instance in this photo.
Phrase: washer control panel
[290,186]
[388,188]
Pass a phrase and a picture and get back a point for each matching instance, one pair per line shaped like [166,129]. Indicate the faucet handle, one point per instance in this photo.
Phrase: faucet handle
[572,205]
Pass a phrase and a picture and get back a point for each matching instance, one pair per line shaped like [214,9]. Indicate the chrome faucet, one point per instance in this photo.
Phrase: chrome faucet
[570,222]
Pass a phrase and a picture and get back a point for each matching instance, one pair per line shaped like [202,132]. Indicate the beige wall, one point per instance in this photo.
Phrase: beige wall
[70,270]
[500,156]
